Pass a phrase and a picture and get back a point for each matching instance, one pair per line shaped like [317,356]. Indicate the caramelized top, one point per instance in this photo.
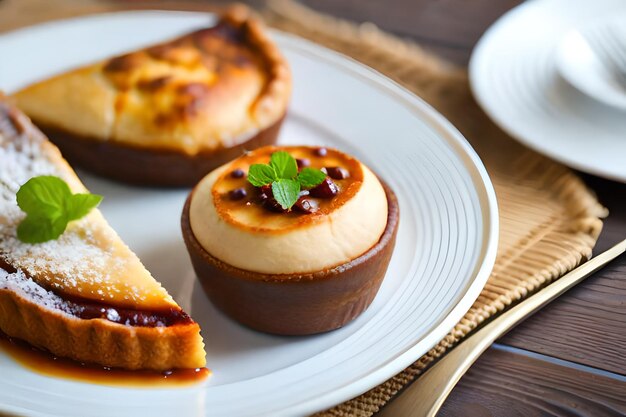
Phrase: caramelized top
[208,89]
[245,228]
[186,78]
[248,213]
[89,261]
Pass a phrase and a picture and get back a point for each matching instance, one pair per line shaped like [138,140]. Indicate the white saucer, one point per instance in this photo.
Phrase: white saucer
[514,76]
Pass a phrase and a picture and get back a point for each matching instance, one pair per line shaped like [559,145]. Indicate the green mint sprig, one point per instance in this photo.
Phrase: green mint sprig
[49,206]
[282,173]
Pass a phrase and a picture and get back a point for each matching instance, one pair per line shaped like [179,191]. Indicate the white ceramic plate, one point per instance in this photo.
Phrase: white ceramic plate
[514,76]
[445,249]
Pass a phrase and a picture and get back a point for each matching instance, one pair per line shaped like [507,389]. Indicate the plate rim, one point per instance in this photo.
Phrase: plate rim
[465,152]
[448,134]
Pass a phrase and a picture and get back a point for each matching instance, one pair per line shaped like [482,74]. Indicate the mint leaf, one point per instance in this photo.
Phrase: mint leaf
[282,173]
[286,192]
[44,193]
[284,165]
[310,177]
[79,205]
[261,174]
[49,206]
[39,229]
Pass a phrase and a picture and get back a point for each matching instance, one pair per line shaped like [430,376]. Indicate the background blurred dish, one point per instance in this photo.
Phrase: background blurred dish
[444,253]
[583,60]
[514,77]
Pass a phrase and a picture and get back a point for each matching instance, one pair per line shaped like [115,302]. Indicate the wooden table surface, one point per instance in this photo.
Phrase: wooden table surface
[567,360]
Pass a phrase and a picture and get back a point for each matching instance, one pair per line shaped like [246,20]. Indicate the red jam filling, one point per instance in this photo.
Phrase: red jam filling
[89,309]
[309,199]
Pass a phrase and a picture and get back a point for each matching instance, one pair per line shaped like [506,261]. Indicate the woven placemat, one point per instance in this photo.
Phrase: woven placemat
[549,220]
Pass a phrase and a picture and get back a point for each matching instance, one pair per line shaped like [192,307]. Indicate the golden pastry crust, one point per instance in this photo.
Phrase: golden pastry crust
[38,306]
[99,341]
[211,89]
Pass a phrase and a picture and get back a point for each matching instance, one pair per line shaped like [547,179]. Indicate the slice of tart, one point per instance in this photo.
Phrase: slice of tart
[84,296]
[168,114]
[296,247]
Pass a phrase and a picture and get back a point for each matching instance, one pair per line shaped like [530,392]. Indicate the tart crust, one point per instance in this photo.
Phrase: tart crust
[157,167]
[295,304]
[46,324]
[168,114]
[99,341]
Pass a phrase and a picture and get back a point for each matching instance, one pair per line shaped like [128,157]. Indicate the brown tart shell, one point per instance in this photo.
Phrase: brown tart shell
[295,304]
[100,341]
[146,166]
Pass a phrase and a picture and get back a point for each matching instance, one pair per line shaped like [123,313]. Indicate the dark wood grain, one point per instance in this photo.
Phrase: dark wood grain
[613,196]
[449,28]
[587,326]
[507,383]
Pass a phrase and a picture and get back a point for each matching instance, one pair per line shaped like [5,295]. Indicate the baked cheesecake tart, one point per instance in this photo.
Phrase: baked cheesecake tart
[84,295]
[291,240]
[168,114]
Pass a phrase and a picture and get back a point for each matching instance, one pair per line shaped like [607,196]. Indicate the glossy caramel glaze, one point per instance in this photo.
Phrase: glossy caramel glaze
[45,363]
[164,318]
[248,213]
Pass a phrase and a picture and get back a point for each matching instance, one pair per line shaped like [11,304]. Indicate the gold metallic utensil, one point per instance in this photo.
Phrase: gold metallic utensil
[426,395]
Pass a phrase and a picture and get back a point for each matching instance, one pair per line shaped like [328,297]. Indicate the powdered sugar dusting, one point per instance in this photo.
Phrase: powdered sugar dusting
[26,288]
[88,259]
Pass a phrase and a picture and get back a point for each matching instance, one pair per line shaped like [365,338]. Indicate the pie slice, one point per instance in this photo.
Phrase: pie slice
[168,114]
[85,296]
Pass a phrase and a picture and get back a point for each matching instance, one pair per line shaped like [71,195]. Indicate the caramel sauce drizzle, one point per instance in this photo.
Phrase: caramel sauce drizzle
[44,363]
